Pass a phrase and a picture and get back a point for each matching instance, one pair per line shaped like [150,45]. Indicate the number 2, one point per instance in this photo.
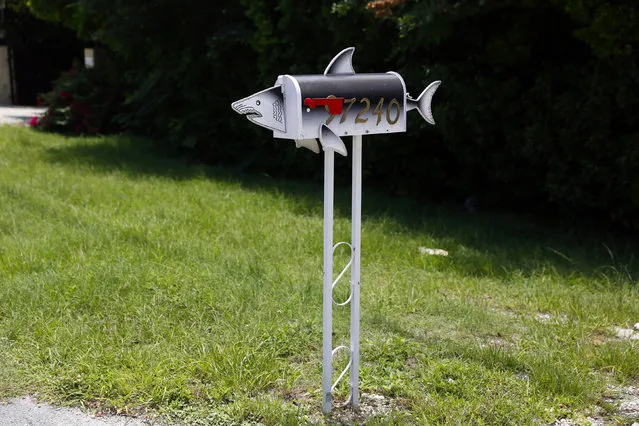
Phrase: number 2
[358,119]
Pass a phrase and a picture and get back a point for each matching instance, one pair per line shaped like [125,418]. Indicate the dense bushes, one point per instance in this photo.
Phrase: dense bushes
[545,99]
[537,108]
[83,101]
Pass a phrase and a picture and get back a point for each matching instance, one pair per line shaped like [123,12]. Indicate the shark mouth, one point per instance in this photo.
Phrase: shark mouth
[249,112]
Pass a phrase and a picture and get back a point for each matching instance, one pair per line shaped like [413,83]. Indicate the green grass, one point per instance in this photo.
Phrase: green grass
[133,282]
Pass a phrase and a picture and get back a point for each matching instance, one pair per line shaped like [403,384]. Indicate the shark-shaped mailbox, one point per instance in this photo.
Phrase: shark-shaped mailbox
[327,107]
[338,103]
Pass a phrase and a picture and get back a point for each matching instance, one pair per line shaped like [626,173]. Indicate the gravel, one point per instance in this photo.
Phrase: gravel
[626,333]
[27,411]
[627,401]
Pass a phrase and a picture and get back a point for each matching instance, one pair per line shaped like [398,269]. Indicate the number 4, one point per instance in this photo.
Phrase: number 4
[379,111]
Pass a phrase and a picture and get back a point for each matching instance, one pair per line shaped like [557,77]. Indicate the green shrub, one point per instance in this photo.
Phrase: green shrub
[538,106]
[83,101]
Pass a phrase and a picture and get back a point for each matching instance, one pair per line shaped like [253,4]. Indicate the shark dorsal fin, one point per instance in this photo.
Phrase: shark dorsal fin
[342,63]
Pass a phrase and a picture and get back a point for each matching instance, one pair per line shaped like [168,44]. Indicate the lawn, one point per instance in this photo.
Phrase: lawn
[142,284]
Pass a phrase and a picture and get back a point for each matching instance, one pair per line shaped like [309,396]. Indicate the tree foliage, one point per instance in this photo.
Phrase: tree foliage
[545,97]
[537,108]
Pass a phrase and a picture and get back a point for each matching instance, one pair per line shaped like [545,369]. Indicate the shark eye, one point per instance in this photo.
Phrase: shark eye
[257,103]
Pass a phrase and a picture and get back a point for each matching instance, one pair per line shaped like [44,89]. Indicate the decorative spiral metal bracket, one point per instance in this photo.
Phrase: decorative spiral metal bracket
[341,274]
[346,302]
[345,370]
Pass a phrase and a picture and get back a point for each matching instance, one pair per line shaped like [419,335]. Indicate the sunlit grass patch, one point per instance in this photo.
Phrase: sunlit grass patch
[137,282]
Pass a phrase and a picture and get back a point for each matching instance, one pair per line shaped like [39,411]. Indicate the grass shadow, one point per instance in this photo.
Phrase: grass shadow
[484,244]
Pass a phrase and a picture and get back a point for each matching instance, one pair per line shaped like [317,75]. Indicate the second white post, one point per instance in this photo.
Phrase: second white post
[356,242]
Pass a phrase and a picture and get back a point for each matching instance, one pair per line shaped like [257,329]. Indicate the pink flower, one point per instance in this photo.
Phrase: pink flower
[34,121]
[65,95]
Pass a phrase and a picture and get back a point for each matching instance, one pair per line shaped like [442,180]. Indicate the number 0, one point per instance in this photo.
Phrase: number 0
[398,112]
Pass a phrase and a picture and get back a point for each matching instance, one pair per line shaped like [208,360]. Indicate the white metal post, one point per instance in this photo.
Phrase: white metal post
[356,241]
[327,334]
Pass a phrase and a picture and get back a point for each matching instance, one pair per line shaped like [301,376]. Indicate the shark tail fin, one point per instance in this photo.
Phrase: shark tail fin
[423,102]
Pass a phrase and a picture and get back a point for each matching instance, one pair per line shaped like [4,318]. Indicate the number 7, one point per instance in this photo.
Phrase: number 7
[350,103]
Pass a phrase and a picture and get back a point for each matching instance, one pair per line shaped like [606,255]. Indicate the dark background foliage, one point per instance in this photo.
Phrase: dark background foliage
[536,113]
[39,50]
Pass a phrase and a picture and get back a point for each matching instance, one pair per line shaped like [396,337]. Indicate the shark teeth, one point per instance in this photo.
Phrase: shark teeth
[248,111]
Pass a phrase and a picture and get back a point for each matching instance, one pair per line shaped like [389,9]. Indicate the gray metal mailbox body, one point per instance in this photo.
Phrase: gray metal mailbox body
[371,103]
[337,103]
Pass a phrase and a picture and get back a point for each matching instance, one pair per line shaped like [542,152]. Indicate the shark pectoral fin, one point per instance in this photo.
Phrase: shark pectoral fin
[309,144]
[342,63]
[423,103]
[330,141]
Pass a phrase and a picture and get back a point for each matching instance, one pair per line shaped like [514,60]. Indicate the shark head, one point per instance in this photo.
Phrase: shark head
[265,108]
